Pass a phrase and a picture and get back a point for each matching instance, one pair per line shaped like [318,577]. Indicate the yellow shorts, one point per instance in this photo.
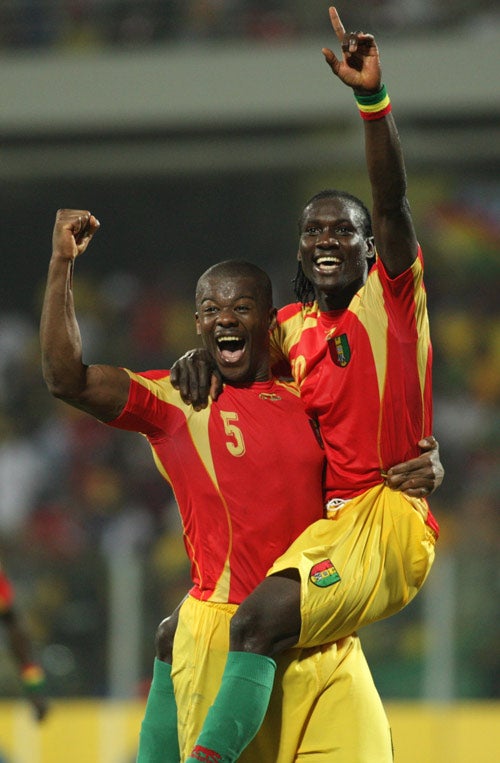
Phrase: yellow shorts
[324,706]
[364,563]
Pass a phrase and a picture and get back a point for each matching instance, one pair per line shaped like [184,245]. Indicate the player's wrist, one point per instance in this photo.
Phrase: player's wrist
[373,105]
[33,678]
[59,258]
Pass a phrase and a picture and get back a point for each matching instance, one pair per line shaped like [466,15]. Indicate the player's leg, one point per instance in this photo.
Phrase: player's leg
[265,624]
[200,654]
[158,740]
[381,552]
[347,723]
[364,564]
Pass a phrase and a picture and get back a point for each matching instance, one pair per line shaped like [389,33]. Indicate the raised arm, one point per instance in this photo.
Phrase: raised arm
[99,390]
[360,69]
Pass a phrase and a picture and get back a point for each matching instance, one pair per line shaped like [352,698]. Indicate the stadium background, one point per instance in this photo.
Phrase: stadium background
[194,130]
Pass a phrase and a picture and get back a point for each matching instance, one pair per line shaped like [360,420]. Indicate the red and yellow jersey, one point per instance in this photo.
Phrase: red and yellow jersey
[365,374]
[246,473]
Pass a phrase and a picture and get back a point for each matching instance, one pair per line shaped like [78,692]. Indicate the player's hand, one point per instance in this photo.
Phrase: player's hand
[420,476]
[360,64]
[196,377]
[73,231]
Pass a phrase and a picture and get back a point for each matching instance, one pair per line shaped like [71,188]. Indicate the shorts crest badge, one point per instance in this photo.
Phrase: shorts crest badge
[324,574]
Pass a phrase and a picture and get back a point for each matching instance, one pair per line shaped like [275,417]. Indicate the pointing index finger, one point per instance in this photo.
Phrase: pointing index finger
[337,25]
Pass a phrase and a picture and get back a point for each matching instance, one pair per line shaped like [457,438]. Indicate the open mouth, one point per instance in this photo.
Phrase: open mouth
[327,263]
[231,348]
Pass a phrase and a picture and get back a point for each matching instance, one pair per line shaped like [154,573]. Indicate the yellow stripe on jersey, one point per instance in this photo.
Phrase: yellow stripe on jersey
[377,342]
[372,328]
[198,429]
[422,323]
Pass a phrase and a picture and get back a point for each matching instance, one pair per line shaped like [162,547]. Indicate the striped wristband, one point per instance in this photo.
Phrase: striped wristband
[374,106]
[33,677]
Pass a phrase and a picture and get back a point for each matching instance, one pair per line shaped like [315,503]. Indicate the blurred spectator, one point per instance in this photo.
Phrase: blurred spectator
[21,648]
[21,472]
[81,24]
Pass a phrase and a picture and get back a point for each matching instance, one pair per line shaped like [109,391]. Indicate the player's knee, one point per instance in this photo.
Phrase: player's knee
[164,639]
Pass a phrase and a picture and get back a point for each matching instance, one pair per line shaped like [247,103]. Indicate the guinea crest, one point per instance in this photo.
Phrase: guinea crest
[340,352]
[324,574]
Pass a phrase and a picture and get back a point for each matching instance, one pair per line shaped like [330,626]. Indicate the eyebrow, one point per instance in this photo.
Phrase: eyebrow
[318,220]
[240,296]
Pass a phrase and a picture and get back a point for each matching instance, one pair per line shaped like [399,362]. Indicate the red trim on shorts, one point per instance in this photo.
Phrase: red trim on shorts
[432,522]
[205,755]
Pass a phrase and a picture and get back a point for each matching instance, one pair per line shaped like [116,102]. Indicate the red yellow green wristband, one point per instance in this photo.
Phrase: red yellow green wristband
[374,106]
[33,677]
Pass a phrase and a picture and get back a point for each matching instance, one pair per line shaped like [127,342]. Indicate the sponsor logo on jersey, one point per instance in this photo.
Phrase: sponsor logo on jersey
[324,574]
[340,352]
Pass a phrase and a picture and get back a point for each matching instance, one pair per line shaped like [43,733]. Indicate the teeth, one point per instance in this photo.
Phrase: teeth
[229,339]
[328,260]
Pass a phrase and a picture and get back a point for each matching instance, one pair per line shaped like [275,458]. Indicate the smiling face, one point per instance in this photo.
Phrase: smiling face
[334,249]
[234,315]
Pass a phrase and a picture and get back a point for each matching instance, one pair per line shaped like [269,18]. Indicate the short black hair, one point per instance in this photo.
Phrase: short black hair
[232,268]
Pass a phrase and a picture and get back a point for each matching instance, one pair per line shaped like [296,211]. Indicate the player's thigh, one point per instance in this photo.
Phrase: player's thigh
[364,564]
[269,620]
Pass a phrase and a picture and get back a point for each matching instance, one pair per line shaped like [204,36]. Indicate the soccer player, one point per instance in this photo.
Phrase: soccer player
[246,472]
[31,673]
[358,345]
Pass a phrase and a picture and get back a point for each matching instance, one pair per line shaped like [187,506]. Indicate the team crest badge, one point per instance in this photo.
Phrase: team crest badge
[339,350]
[324,574]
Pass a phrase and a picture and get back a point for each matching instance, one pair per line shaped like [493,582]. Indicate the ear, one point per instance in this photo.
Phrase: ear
[370,247]
[299,256]
[197,320]
[272,318]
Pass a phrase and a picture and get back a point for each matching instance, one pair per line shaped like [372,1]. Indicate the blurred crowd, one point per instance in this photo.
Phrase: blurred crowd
[74,492]
[460,234]
[80,24]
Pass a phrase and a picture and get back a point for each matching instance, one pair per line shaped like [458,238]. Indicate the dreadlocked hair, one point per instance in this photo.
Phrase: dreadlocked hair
[302,287]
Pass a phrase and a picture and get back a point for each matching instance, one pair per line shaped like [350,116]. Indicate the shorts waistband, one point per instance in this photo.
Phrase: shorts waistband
[334,504]
[223,606]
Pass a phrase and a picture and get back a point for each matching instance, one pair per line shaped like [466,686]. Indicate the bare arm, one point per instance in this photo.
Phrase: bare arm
[99,390]
[392,222]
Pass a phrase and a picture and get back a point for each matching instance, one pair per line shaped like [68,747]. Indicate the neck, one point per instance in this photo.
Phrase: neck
[260,376]
[338,299]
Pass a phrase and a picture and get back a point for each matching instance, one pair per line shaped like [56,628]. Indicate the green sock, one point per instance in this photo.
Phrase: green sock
[238,710]
[158,740]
